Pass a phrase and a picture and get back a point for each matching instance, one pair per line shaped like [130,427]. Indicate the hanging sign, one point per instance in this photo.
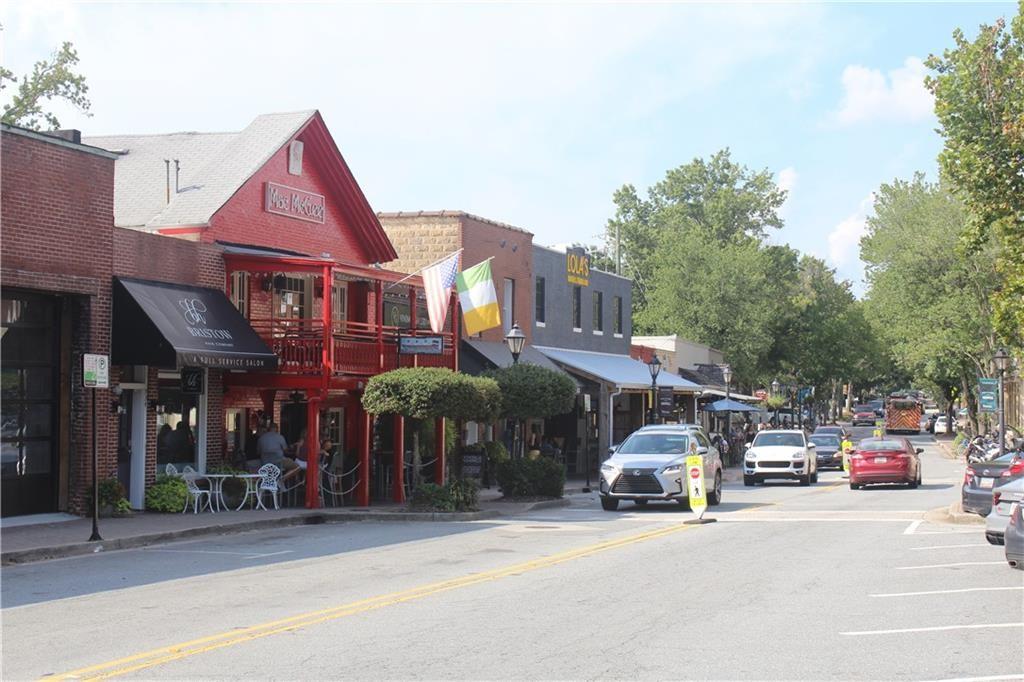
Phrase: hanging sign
[95,371]
[666,401]
[420,345]
[695,484]
[988,395]
[192,380]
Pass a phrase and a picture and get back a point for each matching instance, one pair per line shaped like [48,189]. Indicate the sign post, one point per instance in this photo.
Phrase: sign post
[95,374]
[988,395]
[694,472]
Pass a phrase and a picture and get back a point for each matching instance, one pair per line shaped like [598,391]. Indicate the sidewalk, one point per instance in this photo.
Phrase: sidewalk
[29,543]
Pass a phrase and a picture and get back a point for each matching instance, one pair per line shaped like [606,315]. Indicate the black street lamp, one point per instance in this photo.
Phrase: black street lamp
[655,368]
[1002,359]
[727,377]
[515,339]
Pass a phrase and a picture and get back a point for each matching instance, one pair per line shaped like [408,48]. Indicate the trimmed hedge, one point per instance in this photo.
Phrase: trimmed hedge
[431,392]
[541,477]
[533,392]
[456,495]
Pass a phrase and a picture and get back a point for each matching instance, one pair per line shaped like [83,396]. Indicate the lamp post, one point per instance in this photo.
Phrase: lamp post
[727,377]
[1002,359]
[515,339]
[775,392]
[655,367]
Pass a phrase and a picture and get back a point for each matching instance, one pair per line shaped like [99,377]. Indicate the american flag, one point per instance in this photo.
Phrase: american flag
[438,281]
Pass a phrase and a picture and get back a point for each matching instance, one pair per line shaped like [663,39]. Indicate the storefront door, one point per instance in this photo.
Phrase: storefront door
[124,442]
[28,414]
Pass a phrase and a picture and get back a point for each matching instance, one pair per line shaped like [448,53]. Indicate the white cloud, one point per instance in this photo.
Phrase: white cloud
[786,181]
[844,244]
[870,95]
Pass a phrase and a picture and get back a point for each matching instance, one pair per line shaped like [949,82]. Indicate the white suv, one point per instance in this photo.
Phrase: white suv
[780,454]
[650,463]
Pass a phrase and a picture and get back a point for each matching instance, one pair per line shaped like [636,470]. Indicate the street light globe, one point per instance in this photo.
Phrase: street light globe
[775,386]
[727,374]
[1002,359]
[515,340]
[655,366]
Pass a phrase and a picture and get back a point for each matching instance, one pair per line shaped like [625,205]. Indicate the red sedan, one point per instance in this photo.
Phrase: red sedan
[885,460]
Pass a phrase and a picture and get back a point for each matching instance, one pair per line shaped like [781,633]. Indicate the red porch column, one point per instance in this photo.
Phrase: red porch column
[365,436]
[442,459]
[313,453]
[398,486]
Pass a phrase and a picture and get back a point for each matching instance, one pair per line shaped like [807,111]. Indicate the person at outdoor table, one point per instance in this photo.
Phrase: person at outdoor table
[273,449]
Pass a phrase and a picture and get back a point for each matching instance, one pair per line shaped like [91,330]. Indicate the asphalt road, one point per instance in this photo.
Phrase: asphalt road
[790,583]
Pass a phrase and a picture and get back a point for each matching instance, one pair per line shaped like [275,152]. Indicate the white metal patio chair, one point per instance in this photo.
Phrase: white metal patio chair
[170,470]
[200,497]
[269,476]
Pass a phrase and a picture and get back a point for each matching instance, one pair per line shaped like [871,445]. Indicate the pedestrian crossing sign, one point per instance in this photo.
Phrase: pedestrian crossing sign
[695,484]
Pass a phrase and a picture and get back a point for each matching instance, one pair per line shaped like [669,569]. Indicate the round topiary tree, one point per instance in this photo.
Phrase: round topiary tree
[431,392]
[533,392]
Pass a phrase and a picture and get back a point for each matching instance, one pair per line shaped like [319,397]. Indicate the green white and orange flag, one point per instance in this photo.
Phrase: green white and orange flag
[478,298]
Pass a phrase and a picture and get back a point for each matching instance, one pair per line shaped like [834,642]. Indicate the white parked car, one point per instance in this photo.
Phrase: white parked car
[1003,497]
[780,454]
[942,424]
[650,464]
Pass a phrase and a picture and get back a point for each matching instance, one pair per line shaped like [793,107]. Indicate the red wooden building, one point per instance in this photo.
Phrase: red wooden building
[302,253]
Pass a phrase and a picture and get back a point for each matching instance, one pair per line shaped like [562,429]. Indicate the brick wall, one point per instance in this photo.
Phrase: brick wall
[57,212]
[421,239]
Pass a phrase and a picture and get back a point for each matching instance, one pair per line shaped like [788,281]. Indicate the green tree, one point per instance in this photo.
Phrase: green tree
[724,200]
[979,101]
[430,392]
[928,303]
[533,392]
[53,78]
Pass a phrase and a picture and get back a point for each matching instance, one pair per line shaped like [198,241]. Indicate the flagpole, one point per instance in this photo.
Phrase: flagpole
[429,265]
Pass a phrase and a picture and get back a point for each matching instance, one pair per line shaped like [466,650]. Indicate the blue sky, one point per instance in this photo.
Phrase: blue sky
[534,114]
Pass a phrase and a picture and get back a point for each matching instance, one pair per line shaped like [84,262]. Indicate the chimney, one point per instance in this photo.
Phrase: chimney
[71,135]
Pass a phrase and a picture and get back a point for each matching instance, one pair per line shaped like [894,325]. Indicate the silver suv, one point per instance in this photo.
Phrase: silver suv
[649,465]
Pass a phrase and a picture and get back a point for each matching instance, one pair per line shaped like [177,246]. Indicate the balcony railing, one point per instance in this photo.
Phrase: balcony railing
[353,347]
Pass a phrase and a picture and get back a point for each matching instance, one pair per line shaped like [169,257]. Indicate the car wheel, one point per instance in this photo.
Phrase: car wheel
[684,502]
[855,486]
[609,503]
[805,480]
[749,481]
[913,484]
[640,503]
[715,494]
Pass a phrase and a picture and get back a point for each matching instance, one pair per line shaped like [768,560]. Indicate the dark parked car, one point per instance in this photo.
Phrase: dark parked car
[827,450]
[981,477]
[837,431]
[1014,537]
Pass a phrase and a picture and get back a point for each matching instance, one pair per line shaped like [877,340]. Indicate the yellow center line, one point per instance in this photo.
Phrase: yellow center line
[154,657]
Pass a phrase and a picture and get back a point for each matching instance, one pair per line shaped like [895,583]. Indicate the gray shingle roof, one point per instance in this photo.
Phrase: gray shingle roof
[212,168]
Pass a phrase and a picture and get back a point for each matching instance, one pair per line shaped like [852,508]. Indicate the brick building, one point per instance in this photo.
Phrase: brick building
[297,249]
[61,254]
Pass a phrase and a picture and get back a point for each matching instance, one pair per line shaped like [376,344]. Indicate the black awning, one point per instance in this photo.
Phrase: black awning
[174,325]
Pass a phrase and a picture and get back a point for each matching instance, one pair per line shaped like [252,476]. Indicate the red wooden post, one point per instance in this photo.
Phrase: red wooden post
[378,295]
[439,463]
[327,317]
[313,453]
[398,485]
[365,436]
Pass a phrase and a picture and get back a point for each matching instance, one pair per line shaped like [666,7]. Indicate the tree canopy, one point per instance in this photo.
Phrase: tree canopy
[430,392]
[979,101]
[51,79]
[533,392]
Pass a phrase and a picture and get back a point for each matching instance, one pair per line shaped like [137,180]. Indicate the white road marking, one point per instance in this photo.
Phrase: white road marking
[244,555]
[974,544]
[948,532]
[957,591]
[960,563]
[1018,676]
[756,518]
[912,527]
[939,628]
[261,556]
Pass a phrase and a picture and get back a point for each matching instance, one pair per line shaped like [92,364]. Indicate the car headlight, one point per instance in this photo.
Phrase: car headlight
[672,469]
[609,468]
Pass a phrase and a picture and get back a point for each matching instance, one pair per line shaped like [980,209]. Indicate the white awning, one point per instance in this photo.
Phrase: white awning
[621,371]
[708,392]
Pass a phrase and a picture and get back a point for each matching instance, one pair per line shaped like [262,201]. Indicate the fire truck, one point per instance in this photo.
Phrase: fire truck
[902,415]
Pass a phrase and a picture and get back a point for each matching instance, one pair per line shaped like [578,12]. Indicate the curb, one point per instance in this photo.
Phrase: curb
[954,514]
[27,556]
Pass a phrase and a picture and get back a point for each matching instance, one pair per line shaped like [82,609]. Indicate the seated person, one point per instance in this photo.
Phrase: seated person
[272,449]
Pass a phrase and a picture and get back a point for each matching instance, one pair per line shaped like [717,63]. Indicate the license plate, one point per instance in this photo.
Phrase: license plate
[881,460]
[986,482]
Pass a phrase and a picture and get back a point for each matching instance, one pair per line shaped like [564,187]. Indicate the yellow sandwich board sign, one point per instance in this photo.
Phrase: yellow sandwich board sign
[695,484]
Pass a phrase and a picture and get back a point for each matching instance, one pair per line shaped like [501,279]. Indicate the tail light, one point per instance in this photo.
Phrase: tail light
[968,475]
[995,498]
[1015,469]
[1013,514]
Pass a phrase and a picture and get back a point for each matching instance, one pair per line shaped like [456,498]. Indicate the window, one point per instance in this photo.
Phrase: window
[539,313]
[240,292]
[577,308]
[177,422]
[289,297]
[508,308]
[617,315]
[339,301]
[598,312]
